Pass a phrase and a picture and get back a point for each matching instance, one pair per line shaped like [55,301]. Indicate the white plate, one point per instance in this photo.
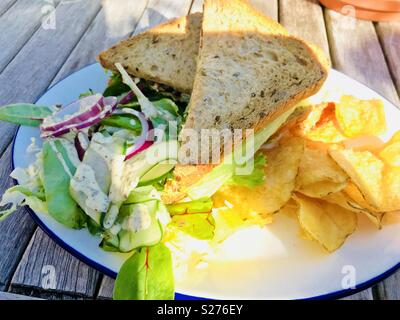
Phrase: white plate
[269,263]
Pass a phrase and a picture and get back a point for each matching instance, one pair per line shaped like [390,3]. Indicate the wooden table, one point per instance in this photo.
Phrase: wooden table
[34,56]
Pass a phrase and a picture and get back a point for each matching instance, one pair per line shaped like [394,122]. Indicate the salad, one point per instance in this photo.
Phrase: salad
[103,165]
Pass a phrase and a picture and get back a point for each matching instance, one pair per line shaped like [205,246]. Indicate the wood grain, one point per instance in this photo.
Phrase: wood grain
[17,25]
[12,296]
[363,295]
[389,289]
[71,275]
[106,289]
[158,11]
[15,230]
[197,6]
[389,35]
[304,19]
[28,75]
[356,51]
[269,8]
[5,5]
[116,21]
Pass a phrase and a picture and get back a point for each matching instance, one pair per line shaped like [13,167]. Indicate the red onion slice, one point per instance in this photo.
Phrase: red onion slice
[126,98]
[81,142]
[80,114]
[141,143]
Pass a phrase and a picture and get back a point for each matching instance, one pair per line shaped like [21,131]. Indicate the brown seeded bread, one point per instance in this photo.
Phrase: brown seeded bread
[164,54]
[249,71]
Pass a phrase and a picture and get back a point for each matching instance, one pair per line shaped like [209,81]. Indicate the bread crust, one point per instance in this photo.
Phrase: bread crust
[168,31]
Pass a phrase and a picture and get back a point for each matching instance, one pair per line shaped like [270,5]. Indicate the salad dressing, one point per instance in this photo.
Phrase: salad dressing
[138,220]
[60,158]
[85,181]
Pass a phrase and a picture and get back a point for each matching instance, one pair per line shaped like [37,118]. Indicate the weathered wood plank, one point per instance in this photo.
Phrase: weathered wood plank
[389,35]
[158,11]
[305,19]
[5,5]
[12,296]
[27,76]
[17,25]
[46,266]
[15,231]
[363,295]
[389,289]
[269,8]
[116,21]
[197,6]
[106,289]
[356,51]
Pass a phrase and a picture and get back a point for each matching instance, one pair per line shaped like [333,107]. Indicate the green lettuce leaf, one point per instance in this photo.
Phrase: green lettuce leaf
[255,178]
[58,171]
[211,182]
[193,218]
[200,225]
[146,275]
[115,86]
[25,114]
[200,205]
[18,196]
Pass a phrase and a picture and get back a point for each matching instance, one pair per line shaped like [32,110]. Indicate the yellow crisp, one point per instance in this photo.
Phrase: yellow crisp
[379,183]
[327,223]
[345,201]
[360,117]
[365,170]
[321,125]
[391,151]
[319,175]
[280,174]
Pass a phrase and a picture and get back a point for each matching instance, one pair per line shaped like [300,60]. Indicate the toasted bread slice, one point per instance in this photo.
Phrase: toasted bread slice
[249,72]
[164,54]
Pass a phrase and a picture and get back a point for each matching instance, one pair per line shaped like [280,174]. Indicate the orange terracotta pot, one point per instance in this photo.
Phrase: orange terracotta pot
[361,13]
[376,5]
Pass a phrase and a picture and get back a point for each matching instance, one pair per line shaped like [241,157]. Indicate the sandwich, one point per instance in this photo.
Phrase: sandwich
[242,70]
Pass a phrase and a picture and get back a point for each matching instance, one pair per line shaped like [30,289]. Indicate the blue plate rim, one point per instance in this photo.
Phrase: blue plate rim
[178,296]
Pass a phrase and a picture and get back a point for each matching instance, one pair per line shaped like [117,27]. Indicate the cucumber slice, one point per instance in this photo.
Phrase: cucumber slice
[158,171]
[142,194]
[110,243]
[140,226]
